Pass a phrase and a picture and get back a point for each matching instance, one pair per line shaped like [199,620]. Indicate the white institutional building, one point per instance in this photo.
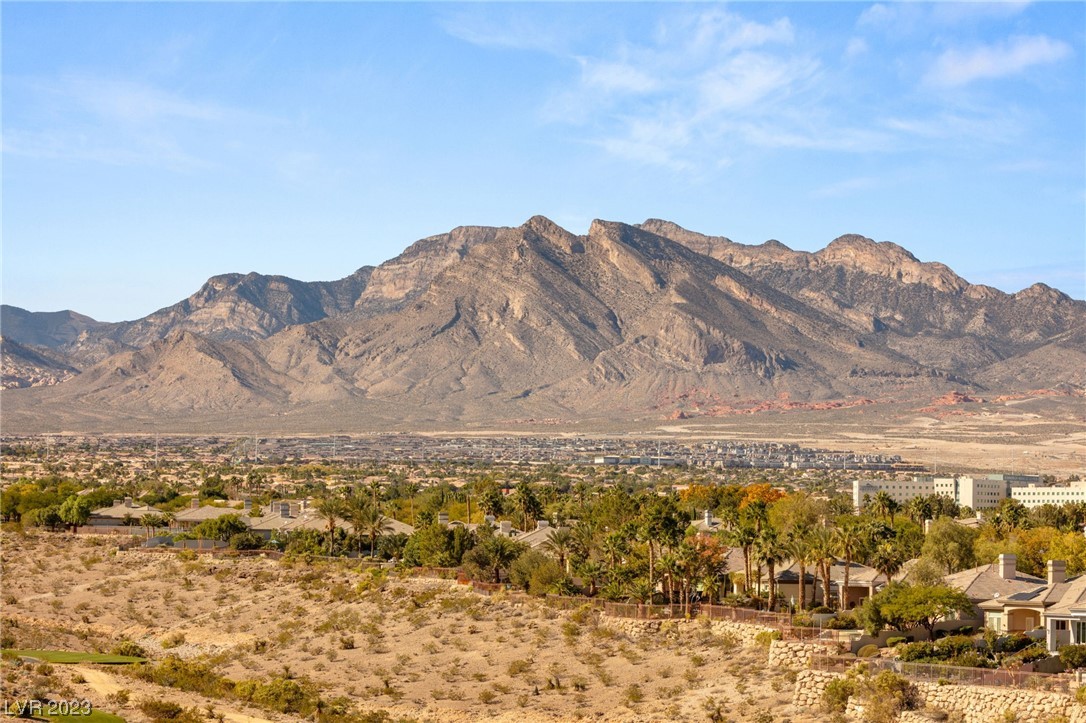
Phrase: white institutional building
[977,493]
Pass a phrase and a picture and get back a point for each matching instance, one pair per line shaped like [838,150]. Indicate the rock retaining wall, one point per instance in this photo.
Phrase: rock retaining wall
[790,654]
[810,684]
[985,704]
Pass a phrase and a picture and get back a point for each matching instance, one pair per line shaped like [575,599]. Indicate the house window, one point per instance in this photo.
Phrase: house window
[1061,625]
[1078,630]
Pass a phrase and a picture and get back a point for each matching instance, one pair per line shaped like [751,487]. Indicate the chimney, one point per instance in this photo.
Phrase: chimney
[506,527]
[195,504]
[284,509]
[127,501]
[1057,571]
[118,503]
[1008,561]
[443,519]
[489,519]
[542,524]
[708,518]
[305,505]
[927,526]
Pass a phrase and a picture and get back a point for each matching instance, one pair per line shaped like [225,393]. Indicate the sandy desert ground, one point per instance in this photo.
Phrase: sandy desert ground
[420,649]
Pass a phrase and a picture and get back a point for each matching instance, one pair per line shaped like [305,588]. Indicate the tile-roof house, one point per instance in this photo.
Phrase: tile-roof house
[863,581]
[539,536]
[1027,610]
[121,513]
[194,515]
[1065,619]
[996,580]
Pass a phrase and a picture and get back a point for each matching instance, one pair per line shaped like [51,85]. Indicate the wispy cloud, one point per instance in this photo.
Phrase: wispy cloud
[958,67]
[119,122]
[909,17]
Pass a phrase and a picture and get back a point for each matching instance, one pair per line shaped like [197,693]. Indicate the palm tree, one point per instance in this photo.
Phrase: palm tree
[591,571]
[880,503]
[799,547]
[374,524]
[670,570]
[770,549]
[887,559]
[527,504]
[560,544]
[331,509]
[821,540]
[743,537]
[614,546]
[502,552]
[848,542]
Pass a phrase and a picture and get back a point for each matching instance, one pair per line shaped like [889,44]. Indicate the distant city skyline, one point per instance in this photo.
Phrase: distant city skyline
[148,146]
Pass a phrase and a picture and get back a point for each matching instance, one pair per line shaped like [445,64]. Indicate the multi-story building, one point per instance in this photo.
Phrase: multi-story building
[977,493]
[1033,495]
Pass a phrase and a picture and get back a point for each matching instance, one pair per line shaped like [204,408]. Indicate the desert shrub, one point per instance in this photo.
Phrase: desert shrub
[820,610]
[127,647]
[954,645]
[535,572]
[1080,694]
[1031,654]
[835,696]
[633,694]
[868,651]
[766,637]
[1015,642]
[916,651]
[487,696]
[886,695]
[191,675]
[1073,656]
[286,695]
[162,710]
[519,666]
[247,541]
[971,659]
[895,641]
[802,620]
[843,621]
[186,555]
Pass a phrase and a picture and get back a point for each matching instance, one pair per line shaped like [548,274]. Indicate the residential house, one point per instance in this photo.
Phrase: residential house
[999,580]
[122,513]
[195,514]
[1024,611]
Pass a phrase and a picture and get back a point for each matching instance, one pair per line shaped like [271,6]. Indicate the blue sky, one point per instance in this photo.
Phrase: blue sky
[148,146]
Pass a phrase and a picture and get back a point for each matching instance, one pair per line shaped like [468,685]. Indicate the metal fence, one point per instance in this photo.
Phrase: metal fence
[745,615]
[949,674]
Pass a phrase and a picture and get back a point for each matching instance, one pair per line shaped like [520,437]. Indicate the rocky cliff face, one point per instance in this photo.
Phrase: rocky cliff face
[485,323]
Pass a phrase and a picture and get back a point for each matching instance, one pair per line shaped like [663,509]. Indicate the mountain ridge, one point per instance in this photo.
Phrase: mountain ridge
[535,320]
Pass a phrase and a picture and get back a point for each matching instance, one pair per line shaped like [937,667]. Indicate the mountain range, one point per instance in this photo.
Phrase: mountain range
[535,322]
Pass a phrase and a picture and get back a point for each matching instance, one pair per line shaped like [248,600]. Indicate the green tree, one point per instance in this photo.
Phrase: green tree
[527,505]
[848,542]
[332,510]
[221,528]
[925,605]
[950,544]
[75,511]
[561,544]
[501,552]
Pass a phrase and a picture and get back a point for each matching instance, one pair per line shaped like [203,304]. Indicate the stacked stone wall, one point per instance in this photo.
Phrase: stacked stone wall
[810,684]
[790,654]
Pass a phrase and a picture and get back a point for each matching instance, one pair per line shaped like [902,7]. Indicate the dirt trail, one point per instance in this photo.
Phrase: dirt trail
[105,684]
[101,683]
